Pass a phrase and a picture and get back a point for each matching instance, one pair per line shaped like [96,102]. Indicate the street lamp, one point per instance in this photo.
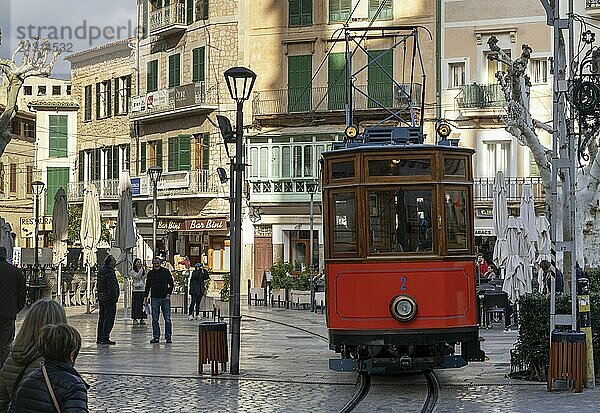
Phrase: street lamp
[38,188]
[154,173]
[240,81]
[311,188]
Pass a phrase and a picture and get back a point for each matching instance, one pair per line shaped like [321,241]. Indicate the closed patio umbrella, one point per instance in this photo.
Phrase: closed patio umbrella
[125,233]
[500,215]
[60,232]
[90,233]
[515,278]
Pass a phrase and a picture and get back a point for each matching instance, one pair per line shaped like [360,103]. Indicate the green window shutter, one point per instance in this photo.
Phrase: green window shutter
[204,9]
[159,154]
[152,76]
[143,149]
[116,96]
[185,152]
[299,83]
[294,13]
[108,96]
[57,178]
[306,12]
[198,68]
[339,10]
[97,100]
[174,70]
[145,19]
[336,81]
[88,103]
[58,134]
[386,13]
[190,12]
[173,155]
[81,166]
[206,151]
[380,85]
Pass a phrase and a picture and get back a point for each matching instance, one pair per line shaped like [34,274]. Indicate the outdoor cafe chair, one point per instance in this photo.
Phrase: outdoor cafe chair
[495,302]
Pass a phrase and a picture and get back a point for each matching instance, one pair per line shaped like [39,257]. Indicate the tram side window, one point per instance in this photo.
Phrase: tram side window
[400,221]
[344,232]
[342,170]
[454,167]
[456,219]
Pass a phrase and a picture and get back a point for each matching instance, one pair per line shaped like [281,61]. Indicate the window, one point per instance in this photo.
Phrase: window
[457,74]
[190,11]
[300,13]
[180,153]
[300,246]
[400,221]
[399,167]
[494,66]
[201,10]
[198,66]
[174,70]
[385,13]
[342,170]
[81,166]
[143,155]
[56,90]
[152,76]
[150,154]
[58,134]
[28,90]
[538,70]
[103,99]
[456,219]
[15,127]
[122,94]
[57,178]
[380,75]
[13,178]
[339,10]
[454,167]
[336,81]
[29,130]
[29,179]
[87,103]
[497,158]
[41,90]
[299,83]
[111,164]
[69,89]
[345,226]
[95,164]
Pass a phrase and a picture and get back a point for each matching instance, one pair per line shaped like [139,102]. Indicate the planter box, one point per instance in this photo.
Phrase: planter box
[278,296]
[300,298]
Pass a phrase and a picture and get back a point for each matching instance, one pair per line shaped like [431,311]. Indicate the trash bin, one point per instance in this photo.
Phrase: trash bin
[212,346]
[567,359]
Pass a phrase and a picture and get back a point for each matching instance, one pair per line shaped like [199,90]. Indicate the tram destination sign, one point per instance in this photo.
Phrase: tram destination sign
[191,225]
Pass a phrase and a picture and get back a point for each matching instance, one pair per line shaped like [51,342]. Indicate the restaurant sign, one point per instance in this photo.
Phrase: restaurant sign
[200,224]
[28,225]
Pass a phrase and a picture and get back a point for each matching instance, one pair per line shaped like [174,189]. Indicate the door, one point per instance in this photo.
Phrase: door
[263,258]
[380,75]
[299,83]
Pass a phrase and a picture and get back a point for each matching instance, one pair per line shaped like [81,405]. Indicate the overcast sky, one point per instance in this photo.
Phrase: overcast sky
[73,24]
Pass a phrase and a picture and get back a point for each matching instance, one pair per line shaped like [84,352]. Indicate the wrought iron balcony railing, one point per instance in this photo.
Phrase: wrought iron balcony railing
[480,96]
[332,98]
[108,189]
[484,189]
[167,18]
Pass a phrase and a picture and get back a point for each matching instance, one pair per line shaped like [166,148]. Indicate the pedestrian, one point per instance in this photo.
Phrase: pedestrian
[108,295]
[25,356]
[138,276]
[159,286]
[197,290]
[55,386]
[12,301]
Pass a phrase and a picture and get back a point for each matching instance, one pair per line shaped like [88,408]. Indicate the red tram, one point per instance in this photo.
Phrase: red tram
[399,256]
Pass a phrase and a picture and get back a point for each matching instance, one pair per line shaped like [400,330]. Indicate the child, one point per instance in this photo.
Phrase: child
[56,386]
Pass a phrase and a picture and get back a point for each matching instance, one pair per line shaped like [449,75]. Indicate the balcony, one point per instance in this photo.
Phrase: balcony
[196,98]
[108,189]
[281,191]
[480,96]
[592,7]
[331,100]
[484,189]
[168,20]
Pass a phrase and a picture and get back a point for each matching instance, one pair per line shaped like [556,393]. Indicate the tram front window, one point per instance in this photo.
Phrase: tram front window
[456,219]
[400,221]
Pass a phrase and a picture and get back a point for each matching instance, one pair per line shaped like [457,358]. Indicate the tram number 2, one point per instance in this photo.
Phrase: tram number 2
[403,281]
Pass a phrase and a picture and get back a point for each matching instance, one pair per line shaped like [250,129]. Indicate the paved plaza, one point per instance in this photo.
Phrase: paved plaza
[285,369]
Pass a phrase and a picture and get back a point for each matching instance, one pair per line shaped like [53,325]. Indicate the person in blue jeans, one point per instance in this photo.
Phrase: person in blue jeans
[159,286]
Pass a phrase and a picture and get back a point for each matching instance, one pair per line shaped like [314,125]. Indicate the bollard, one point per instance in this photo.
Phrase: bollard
[267,292]
[249,295]
[287,298]
[585,325]
[313,306]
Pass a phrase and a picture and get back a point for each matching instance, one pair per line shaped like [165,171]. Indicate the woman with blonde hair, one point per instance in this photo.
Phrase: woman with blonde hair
[25,356]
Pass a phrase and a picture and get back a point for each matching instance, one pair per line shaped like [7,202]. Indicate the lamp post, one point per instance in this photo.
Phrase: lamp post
[311,188]
[240,82]
[154,173]
[38,188]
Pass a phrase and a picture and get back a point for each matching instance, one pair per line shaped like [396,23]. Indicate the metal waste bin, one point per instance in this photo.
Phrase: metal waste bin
[212,346]
[567,359]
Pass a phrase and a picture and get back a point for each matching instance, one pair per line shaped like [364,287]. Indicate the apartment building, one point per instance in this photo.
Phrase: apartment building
[297,48]
[474,104]
[186,47]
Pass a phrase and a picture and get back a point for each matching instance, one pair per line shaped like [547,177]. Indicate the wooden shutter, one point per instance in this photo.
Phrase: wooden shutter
[145,19]
[206,151]
[152,76]
[117,97]
[57,178]
[128,94]
[58,137]
[190,12]
[13,177]
[299,83]
[97,100]
[172,154]
[88,103]
[336,81]
[81,166]
[204,9]
[198,70]
[185,152]
[174,70]
[380,85]
[294,13]
[143,149]
[29,179]
[306,12]
[108,98]
[158,153]
[387,12]
[339,10]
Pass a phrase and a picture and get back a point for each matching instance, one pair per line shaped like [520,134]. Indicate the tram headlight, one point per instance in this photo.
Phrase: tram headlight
[403,308]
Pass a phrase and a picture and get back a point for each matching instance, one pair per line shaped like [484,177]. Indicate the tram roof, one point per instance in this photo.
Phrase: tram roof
[373,147]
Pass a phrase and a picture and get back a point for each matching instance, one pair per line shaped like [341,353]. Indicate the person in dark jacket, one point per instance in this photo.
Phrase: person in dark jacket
[60,345]
[199,276]
[25,356]
[108,295]
[159,286]
[12,300]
